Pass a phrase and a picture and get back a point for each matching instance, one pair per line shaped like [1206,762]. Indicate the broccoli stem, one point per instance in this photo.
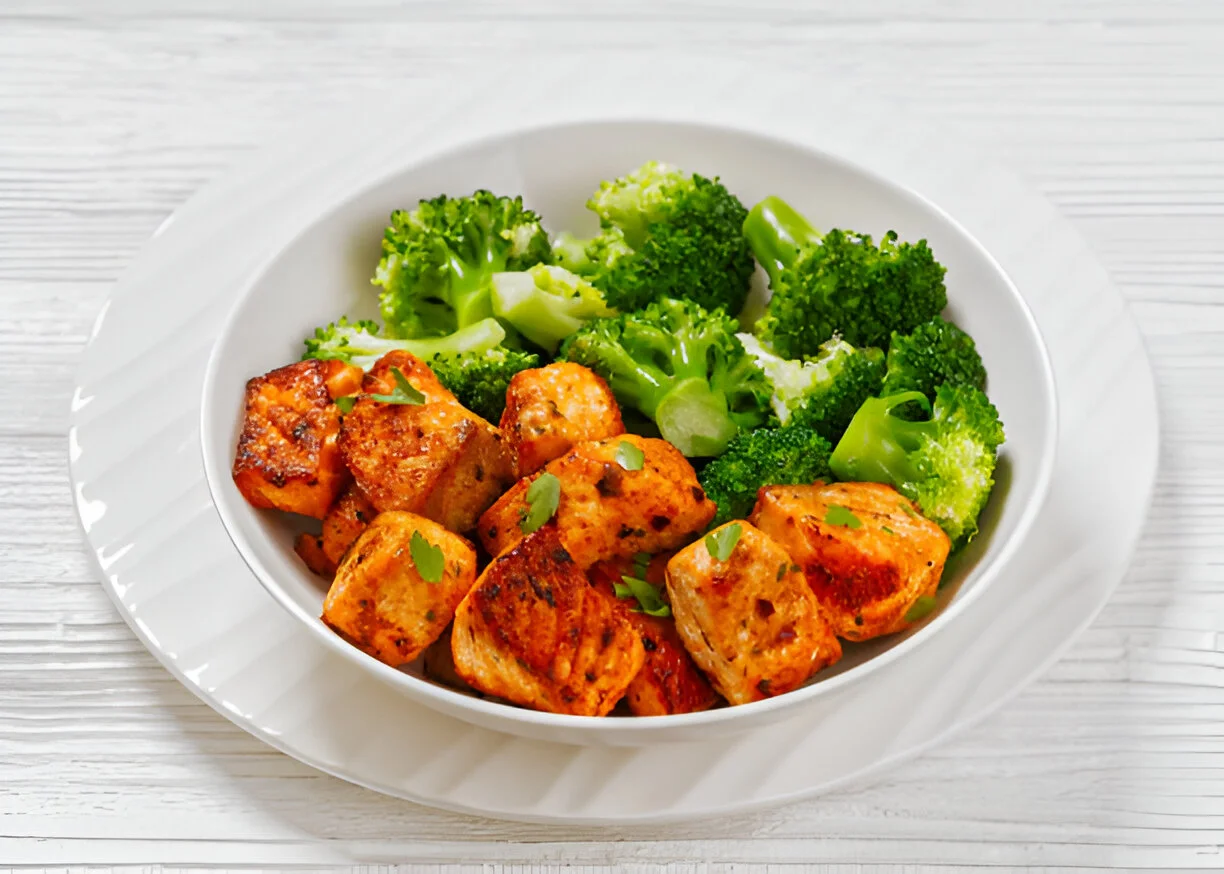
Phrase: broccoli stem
[776,233]
[694,419]
[470,287]
[877,445]
[479,336]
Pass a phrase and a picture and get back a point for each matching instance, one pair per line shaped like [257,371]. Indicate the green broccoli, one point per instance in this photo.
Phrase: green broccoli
[767,456]
[438,260]
[839,283]
[359,342]
[664,233]
[946,463]
[546,303]
[934,353]
[682,366]
[823,392]
[479,379]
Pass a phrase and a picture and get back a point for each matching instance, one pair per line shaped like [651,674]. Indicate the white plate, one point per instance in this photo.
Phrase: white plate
[172,572]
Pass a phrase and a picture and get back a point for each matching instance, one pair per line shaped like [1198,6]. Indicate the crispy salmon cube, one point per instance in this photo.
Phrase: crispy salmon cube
[382,602]
[287,457]
[309,548]
[866,551]
[549,409]
[344,522]
[669,681]
[605,510]
[435,458]
[381,380]
[750,621]
[534,632]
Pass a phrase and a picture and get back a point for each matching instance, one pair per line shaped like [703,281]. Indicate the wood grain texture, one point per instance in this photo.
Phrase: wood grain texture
[111,115]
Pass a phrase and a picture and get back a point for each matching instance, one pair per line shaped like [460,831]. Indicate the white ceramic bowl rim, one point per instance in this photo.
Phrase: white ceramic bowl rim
[448,698]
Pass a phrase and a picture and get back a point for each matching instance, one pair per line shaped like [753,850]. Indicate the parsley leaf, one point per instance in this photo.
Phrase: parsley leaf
[721,543]
[427,558]
[629,456]
[405,392]
[346,402]
[650,599]
[543,495]
[838,515]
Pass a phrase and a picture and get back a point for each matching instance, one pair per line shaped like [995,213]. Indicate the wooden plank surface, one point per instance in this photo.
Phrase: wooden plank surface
[112,114]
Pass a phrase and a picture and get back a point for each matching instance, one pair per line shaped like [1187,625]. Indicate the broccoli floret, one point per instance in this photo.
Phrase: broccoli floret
[359,342]
[839,283]
[664,233]
[765,457]
[823,392]
[945,463]
[546,303]
[479,379]
[934,353]
[438,260]
[682,366]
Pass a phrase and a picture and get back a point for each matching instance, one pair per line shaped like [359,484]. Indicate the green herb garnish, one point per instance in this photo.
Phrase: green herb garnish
[543,495]
[838,515]
[346,402]
[427,558]
[722,542]
[909,511]
[405,392]
[650,599]
[629,456]
[921,608]
[641,561]
[887,530]
[781,572]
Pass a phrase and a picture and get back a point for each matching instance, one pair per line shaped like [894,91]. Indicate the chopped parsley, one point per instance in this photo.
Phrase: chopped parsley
[543,496]
[427,558]
[721,543]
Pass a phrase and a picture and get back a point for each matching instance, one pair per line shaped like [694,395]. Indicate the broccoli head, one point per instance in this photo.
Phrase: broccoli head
[934,353]
[439,258]
[790,455]
[839,283]
[360,343]
[664,233]
[945,463]
[546,303]
[682,366]
[822,392]
[479,379]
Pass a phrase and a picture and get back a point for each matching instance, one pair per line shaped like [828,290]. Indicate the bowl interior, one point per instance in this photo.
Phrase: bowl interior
[325,272]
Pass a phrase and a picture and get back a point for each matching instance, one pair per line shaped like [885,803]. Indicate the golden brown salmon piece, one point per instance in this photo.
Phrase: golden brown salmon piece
[605,510]
[287,457]
[669,681]
[549,409]
[381,602]
[435,459]
[534,631]
[345,521]
[865,550]
[309,548]
[381,380]
[750,622]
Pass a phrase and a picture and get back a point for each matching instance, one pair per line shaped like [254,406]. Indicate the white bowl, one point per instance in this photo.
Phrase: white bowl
[325,272]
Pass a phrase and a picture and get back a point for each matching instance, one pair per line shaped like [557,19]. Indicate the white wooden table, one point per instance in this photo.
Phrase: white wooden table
[112,114]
